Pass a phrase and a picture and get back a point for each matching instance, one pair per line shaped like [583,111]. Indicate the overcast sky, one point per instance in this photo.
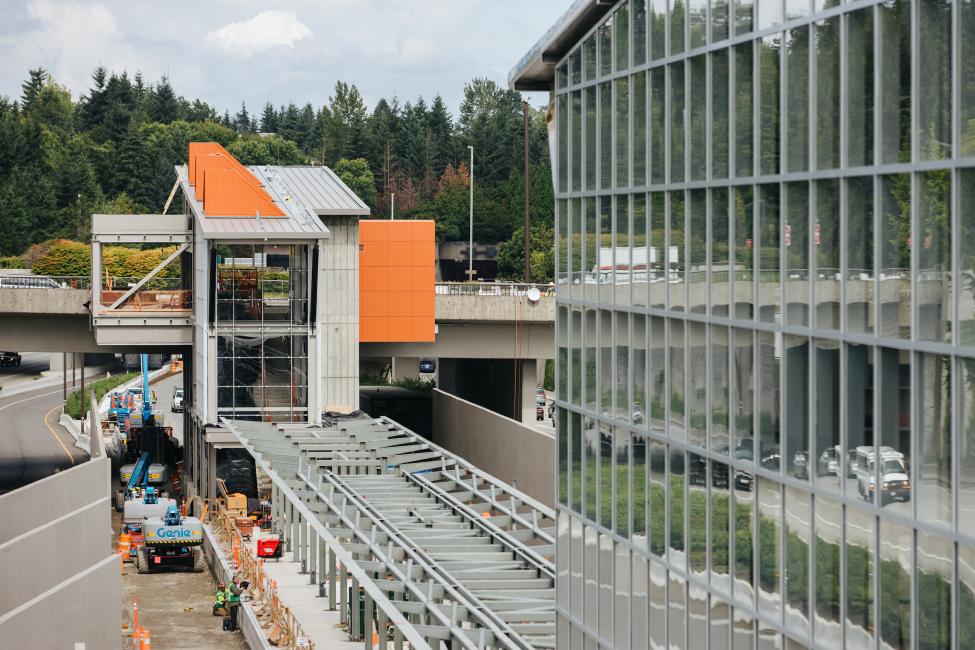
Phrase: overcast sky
[228,51]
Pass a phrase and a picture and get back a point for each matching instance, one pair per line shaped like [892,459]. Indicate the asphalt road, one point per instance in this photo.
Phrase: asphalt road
[32,443]
[32,364]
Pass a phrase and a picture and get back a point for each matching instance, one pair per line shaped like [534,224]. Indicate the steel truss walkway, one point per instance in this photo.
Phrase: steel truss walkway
[444,551]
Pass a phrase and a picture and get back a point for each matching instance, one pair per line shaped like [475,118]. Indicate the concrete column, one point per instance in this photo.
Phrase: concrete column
[338,309]
[406,368]
[301,552]
[529,381]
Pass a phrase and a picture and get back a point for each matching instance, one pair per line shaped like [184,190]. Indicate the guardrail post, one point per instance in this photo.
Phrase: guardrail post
[367,623]
[302,538]
[313,543]
[293,521]
[343,595]
[354,607]
[381,627]
[331,568]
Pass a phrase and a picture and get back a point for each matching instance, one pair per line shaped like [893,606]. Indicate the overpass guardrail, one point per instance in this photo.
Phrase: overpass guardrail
[491,288]
[441,288]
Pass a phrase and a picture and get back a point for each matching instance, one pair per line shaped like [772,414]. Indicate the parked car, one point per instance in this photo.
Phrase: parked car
[829,462]
[9,358]
[800,465]
[177,405]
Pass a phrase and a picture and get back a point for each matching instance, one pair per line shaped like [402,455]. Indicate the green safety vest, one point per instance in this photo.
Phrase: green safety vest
[221,596]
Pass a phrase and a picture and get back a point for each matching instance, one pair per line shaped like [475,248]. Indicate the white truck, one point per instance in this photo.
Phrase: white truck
[895,483]
[632,265]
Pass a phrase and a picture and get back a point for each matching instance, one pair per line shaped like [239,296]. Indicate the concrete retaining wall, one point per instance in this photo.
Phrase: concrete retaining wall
[514,453]
[56,559]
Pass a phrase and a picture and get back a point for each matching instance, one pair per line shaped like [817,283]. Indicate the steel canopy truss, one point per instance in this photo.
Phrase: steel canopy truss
[445,551]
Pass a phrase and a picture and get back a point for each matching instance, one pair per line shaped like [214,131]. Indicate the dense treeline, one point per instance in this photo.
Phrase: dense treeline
[113,151]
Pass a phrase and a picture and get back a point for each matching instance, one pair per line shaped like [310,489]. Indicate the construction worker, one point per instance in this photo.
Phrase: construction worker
[220,600]
[233,600]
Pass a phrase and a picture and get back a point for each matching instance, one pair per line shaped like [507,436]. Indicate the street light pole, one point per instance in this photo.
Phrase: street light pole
[470,261]
[392,206]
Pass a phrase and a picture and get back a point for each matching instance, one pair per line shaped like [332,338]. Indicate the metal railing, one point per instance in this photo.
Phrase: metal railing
[491,288]
[45,282]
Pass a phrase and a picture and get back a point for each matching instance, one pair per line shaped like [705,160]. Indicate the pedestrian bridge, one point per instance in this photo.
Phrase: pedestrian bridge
[474,320]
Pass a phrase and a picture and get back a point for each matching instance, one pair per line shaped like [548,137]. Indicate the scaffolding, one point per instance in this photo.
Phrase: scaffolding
[438,550]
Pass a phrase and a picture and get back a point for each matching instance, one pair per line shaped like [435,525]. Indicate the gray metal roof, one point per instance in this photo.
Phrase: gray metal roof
[536,69]
[317,189]
[298,222]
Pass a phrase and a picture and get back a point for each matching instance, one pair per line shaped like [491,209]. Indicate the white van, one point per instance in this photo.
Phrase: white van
[894,479]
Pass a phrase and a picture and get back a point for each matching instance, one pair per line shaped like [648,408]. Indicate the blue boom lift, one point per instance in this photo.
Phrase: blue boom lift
[145,439]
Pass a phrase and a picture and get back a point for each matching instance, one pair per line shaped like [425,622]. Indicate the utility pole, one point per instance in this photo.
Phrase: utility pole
[528,263]
[470,261]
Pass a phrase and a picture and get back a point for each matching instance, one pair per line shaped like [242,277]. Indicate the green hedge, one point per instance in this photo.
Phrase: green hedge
[77,407]
[66,257]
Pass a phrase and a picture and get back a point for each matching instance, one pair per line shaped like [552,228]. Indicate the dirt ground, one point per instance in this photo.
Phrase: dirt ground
[175,607]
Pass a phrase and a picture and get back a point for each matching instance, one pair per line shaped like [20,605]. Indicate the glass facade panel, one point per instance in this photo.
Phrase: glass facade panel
[797,99]
[859,233]
[860,88]
[719,114]
[698,108]
[827,34]
[765,428]
[744,103]
[895,81]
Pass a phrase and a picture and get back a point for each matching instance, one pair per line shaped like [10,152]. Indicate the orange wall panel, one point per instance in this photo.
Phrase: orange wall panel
[396,281]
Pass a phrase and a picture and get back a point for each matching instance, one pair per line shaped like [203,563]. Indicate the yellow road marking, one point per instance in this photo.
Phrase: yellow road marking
[55,434]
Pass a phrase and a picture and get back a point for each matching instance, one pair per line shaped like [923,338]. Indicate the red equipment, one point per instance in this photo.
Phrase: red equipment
[269,547]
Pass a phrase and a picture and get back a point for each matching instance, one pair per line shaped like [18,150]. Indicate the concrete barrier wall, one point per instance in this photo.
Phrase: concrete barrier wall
[57,562]
[514,453]
[85,609]
[51,554]
[53,497]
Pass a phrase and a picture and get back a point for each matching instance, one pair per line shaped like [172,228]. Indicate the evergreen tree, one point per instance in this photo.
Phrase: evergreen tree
[441,129]
[163,104]
[135,169]
[242,121]
[269,119]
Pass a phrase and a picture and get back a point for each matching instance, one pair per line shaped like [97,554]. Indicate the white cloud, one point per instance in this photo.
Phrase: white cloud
[266,30]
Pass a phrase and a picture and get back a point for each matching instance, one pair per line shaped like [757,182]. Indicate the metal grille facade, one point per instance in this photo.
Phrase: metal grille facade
[766,326]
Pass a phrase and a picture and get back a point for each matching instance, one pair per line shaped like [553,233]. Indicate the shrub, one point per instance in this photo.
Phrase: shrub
[77,407]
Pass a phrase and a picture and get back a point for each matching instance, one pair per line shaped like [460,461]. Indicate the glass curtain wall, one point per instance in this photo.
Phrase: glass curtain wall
[779,306]
[262,295]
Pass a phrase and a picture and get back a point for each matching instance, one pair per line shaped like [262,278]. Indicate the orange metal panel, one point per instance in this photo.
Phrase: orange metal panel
[373,329]
[423,231]
[399,303]
[422,279]
[373,278]
[396,262]
[423,328]
[226,187]
[398,253]
[398,278]
[422,254]
[372,254]
[424,303]
[400,230]
[373,303]
[399,328]
[372,231]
